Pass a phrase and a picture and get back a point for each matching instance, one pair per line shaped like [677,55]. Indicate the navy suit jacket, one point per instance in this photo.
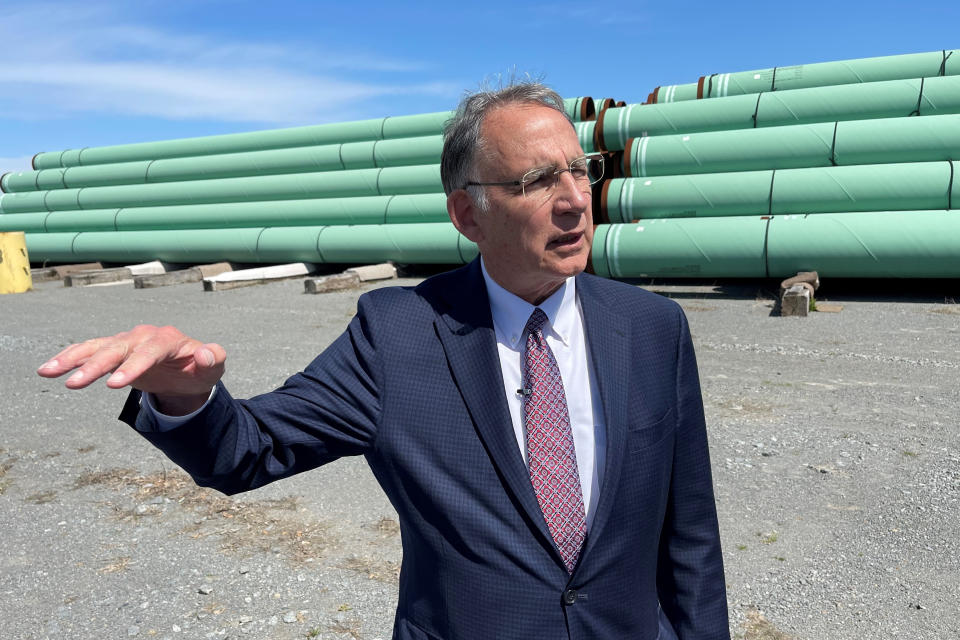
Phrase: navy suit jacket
[414,385]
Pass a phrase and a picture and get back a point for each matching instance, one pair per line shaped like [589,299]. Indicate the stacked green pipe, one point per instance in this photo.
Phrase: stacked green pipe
[719,188]
[351,155]
[822,144]
[914,244]
[821,74]
[425,243]
[890,99]
[904,186]
[328,184]
[401,209]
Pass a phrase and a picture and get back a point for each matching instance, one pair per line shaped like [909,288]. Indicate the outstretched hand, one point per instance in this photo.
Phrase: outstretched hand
[158,360]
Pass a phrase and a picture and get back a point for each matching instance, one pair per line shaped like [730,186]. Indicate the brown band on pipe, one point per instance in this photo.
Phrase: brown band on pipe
[606,103]
[700,87]
[602,209]
[1,180]
[618,162]
[588,110]
[589,269]
[598,142]
[621,103]
[653,96]
[625,160]
[33,160]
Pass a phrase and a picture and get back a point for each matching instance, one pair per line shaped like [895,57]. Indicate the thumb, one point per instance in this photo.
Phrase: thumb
[209,355]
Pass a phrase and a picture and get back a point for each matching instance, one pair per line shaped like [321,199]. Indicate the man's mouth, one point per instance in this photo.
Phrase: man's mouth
[567,240]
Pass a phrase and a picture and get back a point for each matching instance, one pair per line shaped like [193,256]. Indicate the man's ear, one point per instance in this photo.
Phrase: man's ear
[463,214]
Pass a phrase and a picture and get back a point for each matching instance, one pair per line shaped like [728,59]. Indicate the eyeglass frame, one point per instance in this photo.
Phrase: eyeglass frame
[556,174]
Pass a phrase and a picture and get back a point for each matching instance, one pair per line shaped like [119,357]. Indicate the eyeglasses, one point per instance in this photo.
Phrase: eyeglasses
[586,170]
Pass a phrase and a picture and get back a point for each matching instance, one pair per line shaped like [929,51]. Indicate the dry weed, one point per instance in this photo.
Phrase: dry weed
[759,628]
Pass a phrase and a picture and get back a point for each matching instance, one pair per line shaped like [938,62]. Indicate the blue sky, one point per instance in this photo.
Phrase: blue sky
[99,72]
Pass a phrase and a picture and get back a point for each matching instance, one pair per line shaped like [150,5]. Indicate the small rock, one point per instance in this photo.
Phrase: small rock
[244,569]
[245,619]
[205,589]
[289,617]
[133,631]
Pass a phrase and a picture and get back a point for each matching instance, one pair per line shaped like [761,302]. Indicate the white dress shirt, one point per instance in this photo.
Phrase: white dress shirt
[565,335]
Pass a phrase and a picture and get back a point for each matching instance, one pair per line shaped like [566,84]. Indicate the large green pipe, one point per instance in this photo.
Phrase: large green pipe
[580,109]
[418,243]
[821,74]
[403,209]
[880,187]
[331,184]
[890,99]
[903,244]
[804,145]
[322,134]
[351,155]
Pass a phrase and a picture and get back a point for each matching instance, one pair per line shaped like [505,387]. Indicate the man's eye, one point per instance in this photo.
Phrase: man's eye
[538,179]
[578,169]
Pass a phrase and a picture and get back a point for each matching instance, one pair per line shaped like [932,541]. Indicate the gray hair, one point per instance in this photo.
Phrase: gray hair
[461,135]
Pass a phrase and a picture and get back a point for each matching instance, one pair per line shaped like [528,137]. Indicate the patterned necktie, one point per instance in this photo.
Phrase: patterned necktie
[551,454]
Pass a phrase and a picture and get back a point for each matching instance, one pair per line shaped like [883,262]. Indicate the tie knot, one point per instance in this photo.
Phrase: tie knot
[537,319]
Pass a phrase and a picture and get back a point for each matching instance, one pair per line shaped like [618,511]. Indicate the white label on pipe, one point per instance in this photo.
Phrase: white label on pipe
[643,156]
[614,252]
[639,228]
[648,183]
[686,138]
[624,124]
[756,76]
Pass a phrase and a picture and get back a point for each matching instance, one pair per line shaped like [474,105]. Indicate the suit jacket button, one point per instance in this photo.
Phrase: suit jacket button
[569,597]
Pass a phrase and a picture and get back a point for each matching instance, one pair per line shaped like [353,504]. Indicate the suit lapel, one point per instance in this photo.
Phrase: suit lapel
[465,329]
[608,338]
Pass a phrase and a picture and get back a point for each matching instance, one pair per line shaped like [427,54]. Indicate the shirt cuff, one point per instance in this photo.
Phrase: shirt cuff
[165,422]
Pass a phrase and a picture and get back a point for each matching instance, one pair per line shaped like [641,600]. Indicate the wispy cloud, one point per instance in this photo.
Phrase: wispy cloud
[69,58]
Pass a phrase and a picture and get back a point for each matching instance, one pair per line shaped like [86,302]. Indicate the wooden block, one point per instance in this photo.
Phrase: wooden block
[181,276]
[370,272]
[829,307]
[336,282]
[45,274]
[795,301]
[98,276]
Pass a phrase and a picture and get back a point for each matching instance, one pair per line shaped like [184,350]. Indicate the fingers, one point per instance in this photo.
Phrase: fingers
[69,359]
[158,359]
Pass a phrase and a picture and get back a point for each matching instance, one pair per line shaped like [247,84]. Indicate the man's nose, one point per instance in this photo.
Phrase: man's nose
[572,194]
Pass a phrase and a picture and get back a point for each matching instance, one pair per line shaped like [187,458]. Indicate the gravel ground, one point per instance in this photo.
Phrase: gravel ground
[834,441]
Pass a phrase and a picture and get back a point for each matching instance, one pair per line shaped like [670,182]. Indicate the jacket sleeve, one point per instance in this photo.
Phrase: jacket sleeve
[690,579]
[330,409]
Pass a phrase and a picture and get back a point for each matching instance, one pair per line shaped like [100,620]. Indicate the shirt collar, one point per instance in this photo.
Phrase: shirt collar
[511,313]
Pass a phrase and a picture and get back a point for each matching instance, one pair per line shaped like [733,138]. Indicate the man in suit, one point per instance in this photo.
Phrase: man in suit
[539,431]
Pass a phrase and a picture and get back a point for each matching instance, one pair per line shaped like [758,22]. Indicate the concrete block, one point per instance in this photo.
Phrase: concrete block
[148,268]
[215,269]
[336,282]
[257,275]
[367,273]
[795,301]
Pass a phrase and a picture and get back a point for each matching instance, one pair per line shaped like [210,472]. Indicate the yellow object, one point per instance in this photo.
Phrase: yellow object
[14,263]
